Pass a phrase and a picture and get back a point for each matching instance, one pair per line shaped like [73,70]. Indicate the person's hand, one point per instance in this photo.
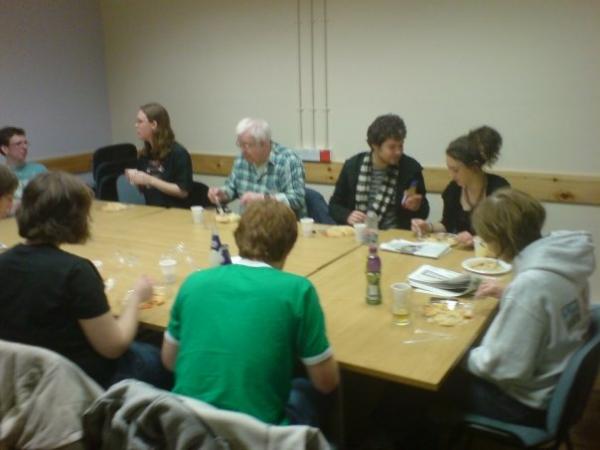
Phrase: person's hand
[356,217]
[217,196]
[412,202]
[139,178]
[419,226]
[143,289]
[250,197]
[465,239]
[490,288]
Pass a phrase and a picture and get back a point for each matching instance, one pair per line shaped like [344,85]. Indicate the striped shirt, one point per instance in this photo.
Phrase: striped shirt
[281,176]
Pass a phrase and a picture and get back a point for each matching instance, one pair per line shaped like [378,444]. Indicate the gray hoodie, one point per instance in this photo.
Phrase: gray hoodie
[543,318]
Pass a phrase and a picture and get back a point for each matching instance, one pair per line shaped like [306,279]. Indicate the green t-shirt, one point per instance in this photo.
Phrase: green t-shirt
[240,331]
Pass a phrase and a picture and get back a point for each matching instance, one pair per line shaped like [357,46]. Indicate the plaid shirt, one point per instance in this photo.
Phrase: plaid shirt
[282,176]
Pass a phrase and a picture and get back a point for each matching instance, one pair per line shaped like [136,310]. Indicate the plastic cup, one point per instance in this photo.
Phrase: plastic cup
[401,308]
[481,249]
[197,214]
[308,225]
[359,232]
[167,267]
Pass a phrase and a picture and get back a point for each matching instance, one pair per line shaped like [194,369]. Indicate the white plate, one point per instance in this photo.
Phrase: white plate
[486,266]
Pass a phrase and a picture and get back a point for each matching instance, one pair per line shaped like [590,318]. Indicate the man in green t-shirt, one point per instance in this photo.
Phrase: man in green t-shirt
[237,331]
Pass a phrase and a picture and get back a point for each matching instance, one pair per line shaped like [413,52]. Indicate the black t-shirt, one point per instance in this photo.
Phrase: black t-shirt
[175,168]
[455,219]
[44,292]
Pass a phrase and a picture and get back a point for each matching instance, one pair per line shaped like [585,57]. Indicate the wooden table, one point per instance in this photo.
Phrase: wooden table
[363,337]
[130,242]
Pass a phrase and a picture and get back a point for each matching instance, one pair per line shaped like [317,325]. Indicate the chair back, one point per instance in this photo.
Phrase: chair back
[199,195]
[106,177]
[112,153]
[317,207]
[576,382]
[127,193]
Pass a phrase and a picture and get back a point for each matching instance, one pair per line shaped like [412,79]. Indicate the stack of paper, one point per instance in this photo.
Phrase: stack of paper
[426,249]
[443,282]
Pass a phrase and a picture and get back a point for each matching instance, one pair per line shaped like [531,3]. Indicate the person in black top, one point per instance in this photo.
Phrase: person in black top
[54,299]
[466,157]
[164,170]
[384,180]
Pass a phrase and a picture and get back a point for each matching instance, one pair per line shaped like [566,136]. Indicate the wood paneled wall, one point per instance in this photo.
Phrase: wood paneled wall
[546,187]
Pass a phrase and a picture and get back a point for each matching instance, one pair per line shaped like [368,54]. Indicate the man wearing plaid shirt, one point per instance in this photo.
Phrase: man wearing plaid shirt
[264,169]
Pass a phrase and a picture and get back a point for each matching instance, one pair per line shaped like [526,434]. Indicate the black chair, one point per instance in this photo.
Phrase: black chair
[111,153]
[566,406]
[107,174]
[199,195]
[317,207]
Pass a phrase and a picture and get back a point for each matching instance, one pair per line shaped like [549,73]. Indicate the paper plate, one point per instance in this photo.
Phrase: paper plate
[486,266]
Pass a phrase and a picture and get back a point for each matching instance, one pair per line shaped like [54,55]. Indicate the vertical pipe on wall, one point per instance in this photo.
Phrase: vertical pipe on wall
[312,72]
[300,105]
[326,74]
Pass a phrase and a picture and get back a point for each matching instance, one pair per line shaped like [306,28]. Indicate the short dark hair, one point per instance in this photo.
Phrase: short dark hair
[478,148]
[388,126]
[267,231]
[55,209]
[7,132]
[8,181]
[510,220]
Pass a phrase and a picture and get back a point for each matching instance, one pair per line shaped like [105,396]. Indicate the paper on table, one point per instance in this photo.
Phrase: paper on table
[425,249]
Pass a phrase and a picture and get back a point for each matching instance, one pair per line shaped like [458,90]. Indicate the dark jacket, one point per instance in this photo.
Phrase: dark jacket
[342,201]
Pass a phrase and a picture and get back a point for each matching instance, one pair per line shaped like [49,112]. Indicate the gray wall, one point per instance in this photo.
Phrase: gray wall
[53,74]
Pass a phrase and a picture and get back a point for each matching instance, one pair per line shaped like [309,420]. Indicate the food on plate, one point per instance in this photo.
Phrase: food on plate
[157,299]
[485,264]
[339,231]
[444,238]
[227,218]
[447,313]
[113,207]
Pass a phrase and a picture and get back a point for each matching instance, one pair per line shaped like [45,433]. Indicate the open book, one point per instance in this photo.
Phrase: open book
[443,282]
[426,249]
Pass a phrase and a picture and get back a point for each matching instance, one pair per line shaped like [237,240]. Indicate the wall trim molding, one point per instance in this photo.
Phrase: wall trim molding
[554,188]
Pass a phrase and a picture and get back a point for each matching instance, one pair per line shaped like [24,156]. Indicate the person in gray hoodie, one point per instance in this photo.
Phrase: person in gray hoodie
[543,314]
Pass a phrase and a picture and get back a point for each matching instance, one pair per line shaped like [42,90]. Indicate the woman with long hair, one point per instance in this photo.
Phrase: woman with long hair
[164,170]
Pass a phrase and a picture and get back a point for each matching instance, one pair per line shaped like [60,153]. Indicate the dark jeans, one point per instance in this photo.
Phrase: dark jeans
[306,405]
[142,362]
[478,396]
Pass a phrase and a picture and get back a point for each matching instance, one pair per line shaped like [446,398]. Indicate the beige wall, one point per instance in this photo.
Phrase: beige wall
[52,75]
[528,67]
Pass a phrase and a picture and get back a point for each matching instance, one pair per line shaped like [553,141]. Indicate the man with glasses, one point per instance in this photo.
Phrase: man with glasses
[264,169]
[14,146]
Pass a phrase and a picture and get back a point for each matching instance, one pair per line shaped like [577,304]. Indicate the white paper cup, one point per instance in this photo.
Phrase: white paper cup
[359,232]
[167,267]
[481,249]
[197,214]
[308,225]
[401,307]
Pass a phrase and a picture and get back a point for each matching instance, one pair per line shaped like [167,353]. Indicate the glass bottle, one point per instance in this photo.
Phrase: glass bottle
[373,276]
[372,223]
[215,257]
[225,255]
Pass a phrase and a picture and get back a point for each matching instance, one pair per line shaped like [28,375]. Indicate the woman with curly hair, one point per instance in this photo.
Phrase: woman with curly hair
[164,169]
[466,157]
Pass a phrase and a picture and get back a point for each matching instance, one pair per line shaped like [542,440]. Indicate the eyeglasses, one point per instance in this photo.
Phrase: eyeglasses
[19,143]
[246,145]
